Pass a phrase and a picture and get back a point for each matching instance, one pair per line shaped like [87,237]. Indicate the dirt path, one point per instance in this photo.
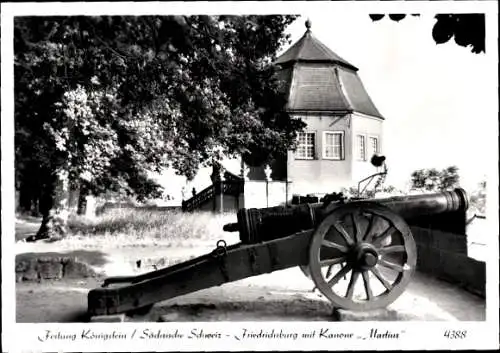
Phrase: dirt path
[53,301]
[26,226]
[281,296]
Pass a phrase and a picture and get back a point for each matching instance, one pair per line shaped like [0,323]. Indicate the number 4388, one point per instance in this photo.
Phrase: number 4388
[452,334]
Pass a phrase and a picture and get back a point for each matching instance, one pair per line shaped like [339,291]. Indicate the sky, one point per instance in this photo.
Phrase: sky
[438,100]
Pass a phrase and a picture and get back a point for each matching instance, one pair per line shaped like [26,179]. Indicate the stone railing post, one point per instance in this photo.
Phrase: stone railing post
[288,181]
[267,171]
[244,171]
[221,194]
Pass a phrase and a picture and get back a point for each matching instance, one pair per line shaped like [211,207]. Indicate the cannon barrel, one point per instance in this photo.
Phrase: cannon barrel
[413,206]
[443,210]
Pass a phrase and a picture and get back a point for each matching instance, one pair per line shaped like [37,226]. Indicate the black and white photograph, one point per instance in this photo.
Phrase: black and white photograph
[241,176]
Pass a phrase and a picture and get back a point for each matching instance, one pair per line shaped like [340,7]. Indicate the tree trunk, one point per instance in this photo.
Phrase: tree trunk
[54,208]
[82,200]
[29,194]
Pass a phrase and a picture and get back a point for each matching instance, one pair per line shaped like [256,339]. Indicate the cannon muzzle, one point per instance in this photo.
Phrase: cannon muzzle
[444,211]
[231,227]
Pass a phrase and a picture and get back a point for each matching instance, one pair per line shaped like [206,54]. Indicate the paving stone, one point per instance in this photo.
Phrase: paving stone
[49,259]
[170,317]
[50,270]
[108,318]
[66,259]
[30,275]
[22,265]
[372,315]
[74,269]
[19,276]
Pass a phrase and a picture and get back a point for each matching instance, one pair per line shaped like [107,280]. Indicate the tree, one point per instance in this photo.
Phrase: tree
[101,101]
[434,180]
[467,29]
[449,178]
[478,199]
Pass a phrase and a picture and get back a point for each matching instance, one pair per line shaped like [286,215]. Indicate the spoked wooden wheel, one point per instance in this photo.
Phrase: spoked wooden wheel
[362,256]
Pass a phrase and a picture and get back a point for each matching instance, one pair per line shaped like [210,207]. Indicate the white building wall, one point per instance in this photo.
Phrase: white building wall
[321,175]
[368,127]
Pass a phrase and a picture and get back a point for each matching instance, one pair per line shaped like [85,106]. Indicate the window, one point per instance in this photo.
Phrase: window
[306,148]
[374,149]
[361,150]
[333,145]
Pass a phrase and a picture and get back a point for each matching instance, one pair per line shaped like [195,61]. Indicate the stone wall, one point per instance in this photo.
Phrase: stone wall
[230,203]
[444,255]
[260,194]
[37,267]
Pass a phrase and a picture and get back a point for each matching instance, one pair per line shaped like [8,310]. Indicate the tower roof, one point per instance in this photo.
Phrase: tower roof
[318,80]
[310,49]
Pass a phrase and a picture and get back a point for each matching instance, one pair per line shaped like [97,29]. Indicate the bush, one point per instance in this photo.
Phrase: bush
[478,200]
[385,191]
[434,180]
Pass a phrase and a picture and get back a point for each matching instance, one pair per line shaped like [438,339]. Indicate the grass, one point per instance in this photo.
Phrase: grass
[125,227]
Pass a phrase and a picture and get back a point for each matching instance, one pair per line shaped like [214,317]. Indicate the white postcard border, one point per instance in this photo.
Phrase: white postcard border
[416,335]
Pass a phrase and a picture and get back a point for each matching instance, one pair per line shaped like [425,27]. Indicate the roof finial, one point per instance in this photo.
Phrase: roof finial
[308,25]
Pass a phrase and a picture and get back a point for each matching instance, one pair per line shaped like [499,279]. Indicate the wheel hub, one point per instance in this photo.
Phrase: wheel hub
[364,256]
[369,259]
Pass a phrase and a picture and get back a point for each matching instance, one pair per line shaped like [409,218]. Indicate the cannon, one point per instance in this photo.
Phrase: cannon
[360,254]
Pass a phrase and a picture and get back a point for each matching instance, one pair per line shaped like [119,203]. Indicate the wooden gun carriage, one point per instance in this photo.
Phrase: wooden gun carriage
[342,245]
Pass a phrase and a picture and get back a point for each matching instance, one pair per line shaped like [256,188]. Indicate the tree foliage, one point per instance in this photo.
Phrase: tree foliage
[478,199]
[467,29]
[435,180]
[109,99]
[372,193]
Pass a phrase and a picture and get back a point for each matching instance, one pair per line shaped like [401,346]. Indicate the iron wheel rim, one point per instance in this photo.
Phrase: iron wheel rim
[356,270]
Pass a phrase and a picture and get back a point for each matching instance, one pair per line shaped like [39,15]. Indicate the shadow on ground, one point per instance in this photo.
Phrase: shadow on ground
[25,228]
[28,218]
[293,309]
[56,301]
